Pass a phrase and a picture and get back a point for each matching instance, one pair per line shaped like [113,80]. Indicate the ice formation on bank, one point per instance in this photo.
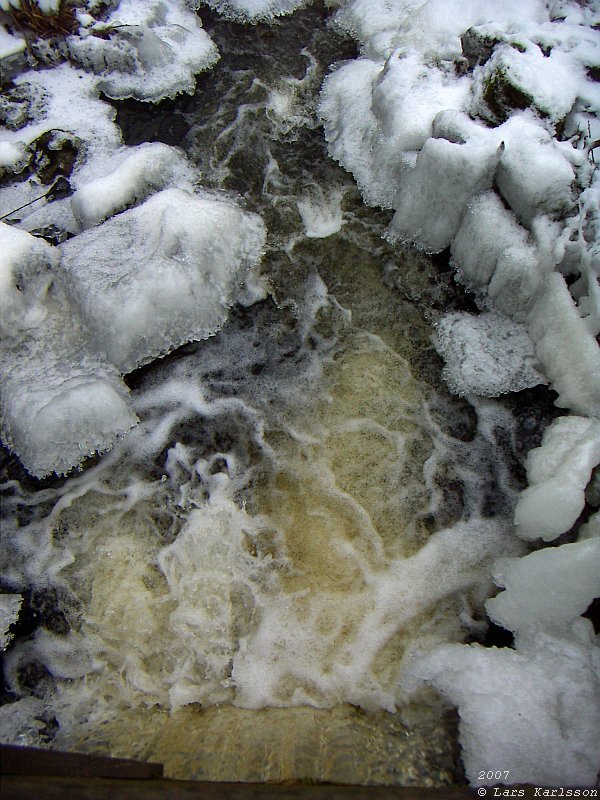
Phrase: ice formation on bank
[147,50]
[478,125]
[458,132]
[255,10]
[130,207]
[537,706]
[558,473]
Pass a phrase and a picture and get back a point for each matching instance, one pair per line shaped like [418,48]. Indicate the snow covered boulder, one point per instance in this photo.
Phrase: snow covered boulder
[534,176]
[127,177]
[535,710]
[164,273]
[60,402]
[25,275]
[378,115]
[558,473]
[519,75]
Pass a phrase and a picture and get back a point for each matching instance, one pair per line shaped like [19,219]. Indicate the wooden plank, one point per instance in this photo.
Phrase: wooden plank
[15,760]
[59,788]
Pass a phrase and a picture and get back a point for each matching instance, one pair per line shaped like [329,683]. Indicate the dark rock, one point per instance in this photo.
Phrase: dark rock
[502,96]
[478,45]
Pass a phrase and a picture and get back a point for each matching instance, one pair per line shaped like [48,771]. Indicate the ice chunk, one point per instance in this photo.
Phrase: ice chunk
[321,211]
[486,355]
[59,402]
[375,114]
[517,77]
[127,178]
[10,605]
[558,473]
[548,589]
[255,10]
[567,351]
[146,50]
[161,274]
[25,275]
[534,176]
[433,195]
[535,710]
[489,232]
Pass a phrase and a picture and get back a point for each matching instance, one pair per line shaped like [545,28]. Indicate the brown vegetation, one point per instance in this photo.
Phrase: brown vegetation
[31,20]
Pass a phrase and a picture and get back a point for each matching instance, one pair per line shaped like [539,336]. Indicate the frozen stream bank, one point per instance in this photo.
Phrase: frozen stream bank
[302,525]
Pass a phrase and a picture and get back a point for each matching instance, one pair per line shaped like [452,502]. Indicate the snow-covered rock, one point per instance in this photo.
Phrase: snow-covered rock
[161,274]
[60,401]
[558,472]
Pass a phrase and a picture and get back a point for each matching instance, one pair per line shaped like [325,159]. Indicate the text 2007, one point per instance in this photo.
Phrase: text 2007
[491,775]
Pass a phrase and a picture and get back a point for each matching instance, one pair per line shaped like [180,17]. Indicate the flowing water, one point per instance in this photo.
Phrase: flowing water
[236,589]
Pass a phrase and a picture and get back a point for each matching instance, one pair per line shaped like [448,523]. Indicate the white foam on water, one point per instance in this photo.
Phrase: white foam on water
[10,605]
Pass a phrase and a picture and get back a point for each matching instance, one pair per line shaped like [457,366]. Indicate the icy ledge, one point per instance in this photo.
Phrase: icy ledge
[477,123]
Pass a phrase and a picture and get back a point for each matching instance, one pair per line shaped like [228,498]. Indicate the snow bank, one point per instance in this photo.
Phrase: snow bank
[162,274]
[146,50]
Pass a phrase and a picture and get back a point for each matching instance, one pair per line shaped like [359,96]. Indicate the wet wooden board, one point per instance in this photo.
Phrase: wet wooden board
[29,761]
[60,788]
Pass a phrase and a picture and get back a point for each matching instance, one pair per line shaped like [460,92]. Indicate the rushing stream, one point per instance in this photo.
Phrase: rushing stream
[237,588]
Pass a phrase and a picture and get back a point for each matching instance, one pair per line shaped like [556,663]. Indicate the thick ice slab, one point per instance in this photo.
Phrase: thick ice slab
[162,274]
[558,473]
[60,401]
